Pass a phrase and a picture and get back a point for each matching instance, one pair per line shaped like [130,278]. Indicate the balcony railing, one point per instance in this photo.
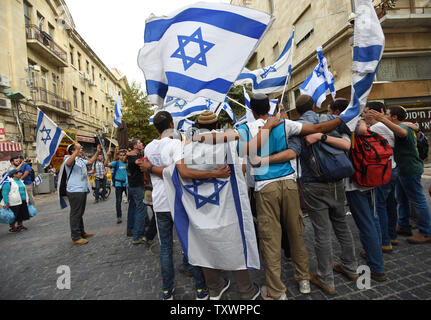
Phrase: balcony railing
[391,7]
[34,33]
[41,95]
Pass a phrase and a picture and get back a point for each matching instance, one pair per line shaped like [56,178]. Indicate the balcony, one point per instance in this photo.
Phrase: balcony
[42,43]
[46,99]
[398,14]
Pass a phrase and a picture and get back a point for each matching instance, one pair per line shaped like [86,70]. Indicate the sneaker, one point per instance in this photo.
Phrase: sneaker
[168,295]
[256,293]
[379,277]
[119,221]
[202,294]
[404,232]
[140,241]
[387,249]
[80,242]
[226,286]
[304,287]
[265,295]
[418,239]
[394,242]
[13,230]
[351,276]
[315,280]
[21,228]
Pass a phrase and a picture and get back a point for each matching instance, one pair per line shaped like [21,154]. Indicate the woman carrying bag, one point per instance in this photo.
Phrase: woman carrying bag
[15,198]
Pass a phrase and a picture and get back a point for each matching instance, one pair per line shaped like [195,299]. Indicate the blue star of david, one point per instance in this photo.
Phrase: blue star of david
[180,103]
[48,132]
[267,71]
[204,46]
[209,103]
[201,200]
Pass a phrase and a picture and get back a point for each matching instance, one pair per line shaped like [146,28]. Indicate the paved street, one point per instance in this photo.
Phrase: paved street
[110,267]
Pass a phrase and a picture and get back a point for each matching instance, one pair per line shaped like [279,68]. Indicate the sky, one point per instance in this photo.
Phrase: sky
[115,29]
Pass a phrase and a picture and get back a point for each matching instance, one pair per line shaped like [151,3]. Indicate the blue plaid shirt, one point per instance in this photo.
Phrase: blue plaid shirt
[99,167]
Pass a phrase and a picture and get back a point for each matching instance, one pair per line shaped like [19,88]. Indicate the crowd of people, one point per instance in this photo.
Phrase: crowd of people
[281,169]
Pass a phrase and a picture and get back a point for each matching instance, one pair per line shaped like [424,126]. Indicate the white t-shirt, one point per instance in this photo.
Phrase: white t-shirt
[162,153]
[386,133]
[292,128]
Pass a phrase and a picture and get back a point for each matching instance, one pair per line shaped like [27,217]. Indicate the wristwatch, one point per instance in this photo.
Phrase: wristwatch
[150,169]
[324,138]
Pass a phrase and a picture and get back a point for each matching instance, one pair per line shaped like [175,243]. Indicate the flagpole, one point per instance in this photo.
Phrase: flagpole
[110,140]
[237,103]
[215,111]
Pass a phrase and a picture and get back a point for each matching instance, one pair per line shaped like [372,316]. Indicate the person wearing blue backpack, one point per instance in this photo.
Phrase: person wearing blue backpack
[324,165]
[15,198]
[119,179]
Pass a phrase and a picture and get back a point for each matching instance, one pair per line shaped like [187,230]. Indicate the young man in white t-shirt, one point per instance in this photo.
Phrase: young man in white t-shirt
[163,152]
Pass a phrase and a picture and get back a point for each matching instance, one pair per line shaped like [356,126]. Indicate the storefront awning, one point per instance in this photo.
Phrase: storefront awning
[8,146]
[86,139]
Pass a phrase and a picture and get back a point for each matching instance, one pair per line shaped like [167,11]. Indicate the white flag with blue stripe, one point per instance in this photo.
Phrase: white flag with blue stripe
[48,138]
[273,105]
[181,109]
[38,180]
[369,44]
[4,179]
[199,50]
[320,83]
[213,217]
[185,124]
[226,107]
[273,78]
[118,114]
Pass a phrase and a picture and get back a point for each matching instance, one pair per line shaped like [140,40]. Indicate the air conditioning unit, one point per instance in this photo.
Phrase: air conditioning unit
[36,68]
[5,103]
[4,82]
[86,76]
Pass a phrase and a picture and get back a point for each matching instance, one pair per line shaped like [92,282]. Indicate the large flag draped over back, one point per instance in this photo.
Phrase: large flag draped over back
[320,83]
[199,50]
[48,138]
[180,109]
[118,115]
[369,44]
[273,78]
[212,217]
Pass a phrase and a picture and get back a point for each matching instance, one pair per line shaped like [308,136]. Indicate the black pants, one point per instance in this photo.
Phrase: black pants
[77,201]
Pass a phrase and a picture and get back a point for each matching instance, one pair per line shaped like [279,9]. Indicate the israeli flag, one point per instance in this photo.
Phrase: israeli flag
[185,124]
[320,83]
[181,109]
[4,180]
[48,138]
[226,107]
[38,180]
[369,44]
[273,105]
[118,115]
[199,50]
[273,78]
[213,217]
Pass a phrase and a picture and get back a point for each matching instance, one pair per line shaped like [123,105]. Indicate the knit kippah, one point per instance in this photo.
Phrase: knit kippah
[207,117]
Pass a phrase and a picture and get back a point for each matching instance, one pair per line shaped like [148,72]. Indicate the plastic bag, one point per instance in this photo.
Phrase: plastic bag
[32,211]
[7,216]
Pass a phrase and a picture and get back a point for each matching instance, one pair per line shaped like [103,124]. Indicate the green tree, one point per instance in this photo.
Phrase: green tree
[237,94]
[136,113]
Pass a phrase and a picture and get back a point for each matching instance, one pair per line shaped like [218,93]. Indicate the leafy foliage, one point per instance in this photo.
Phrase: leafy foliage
[136,112]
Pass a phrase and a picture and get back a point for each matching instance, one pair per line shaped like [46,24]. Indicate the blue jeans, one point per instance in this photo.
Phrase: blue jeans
[361,206]
[165,227]
[137,212]
[100,183]
[410,189]
[118,198]
[386,208]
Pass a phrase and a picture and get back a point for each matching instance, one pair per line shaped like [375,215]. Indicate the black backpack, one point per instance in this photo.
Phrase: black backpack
[32,175]
[423,146]
[63,181]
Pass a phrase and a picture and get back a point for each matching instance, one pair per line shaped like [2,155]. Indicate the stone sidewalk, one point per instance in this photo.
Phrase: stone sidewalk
[111,268]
